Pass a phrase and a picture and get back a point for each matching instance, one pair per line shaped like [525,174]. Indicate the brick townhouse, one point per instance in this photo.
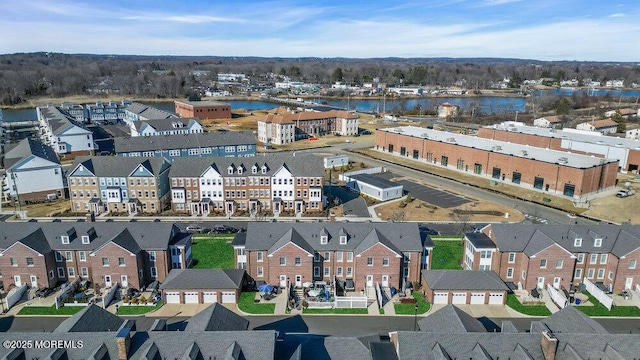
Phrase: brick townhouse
[115,184]
[130,254]
[357,255]
[559,255]
[271,183]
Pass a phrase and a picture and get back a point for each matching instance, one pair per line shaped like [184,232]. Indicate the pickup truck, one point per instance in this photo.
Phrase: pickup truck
[624,193]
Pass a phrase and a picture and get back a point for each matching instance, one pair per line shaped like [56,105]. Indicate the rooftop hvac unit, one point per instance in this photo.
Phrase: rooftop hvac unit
[496,148]
[563,160]
[523,153]
[451,140]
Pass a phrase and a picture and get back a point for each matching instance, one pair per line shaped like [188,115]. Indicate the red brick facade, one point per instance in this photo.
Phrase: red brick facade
[203,110]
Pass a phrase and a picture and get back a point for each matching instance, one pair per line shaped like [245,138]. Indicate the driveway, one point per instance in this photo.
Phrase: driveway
[428,194]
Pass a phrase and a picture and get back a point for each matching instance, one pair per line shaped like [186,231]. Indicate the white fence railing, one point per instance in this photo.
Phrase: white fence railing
[638,290]
[319,304]
[375,170]
[14,297]
[379,295]
[604,299]
[557,296]
[106,300]
[63,293]
[351,302]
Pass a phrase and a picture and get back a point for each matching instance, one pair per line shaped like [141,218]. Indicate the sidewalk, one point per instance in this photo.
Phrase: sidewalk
[548,302]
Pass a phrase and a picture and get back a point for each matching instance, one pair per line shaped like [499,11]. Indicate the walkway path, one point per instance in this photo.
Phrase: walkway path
[548,302]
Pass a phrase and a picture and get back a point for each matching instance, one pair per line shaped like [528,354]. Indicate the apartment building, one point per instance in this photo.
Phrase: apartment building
[106,113]
[271,183]
[284,126]
[137,111]
[207,144]
[356,255]
[551,172]
[115,184]
[203,109]
[67,136]
[130,254]
[559,255]
[170,126]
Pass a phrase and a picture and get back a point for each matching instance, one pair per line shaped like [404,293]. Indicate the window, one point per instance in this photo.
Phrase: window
[154,271]
[343,240]
[105,261]
[324,239]
[600,273]
[60,272]
[316,271]
[577,242]
[259,257]
[610,275]
[543,264]
[369,261]
[14,262]
[593,258]
[58,256]
[578,274]
[283,261]
[82,256]
[316,257]
[349,271]
[174,152]
[444,161]
[349,257]
[65,239]
[509,273]
[485,254]
[385,261]
[524,275]
[298,261]
[559,264]
[85,239]
[51,274]
[121,261]
[327,271]
[603,258]
[632,264]
[339,256]
[405,272]
[516,177]
[260,271]
[152,256]
[580,258]
[597,242]
[327,256]
[339,271]
[29,261]
[68,256]
[84,271]
[590,274]
[71,271]
[512,258]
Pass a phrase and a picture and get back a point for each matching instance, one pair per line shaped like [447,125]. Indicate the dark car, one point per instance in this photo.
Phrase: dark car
[43,293]
[428,231]
[195,229]
[224,229]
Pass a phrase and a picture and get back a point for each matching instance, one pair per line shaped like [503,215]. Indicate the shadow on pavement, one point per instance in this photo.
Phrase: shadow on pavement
[294,324]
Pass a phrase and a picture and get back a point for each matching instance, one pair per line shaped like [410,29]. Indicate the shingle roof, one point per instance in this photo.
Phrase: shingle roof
[217,318]
[291,236]
[148,112]
[600,124]
[480,240]
[463,280]
[571,320]
[26,148]
[318,347]
[58,120]
[281,116]
[187,279]
[404,237]
[112,166]
[450,319]
[183,141]
[35,240]
[91,319]
[166,124]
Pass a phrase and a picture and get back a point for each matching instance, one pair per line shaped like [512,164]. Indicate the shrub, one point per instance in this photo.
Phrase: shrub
[362,165]
[134,300]
[143,300]
[305,304]
[402,204]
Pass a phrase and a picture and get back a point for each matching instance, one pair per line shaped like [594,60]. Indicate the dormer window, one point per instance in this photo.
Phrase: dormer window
[343,239]
[577,242]
[85,239]
[230,170]
[597,243]
[254,169]
[264,169]
[240,170]
[324,239]
[65,239]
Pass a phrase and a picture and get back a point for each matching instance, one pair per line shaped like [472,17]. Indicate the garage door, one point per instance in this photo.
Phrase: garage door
[173,297]
[459,298]
[228,297]
[191,297]
[441,298]
[209,297]
[477,298]
[496,298]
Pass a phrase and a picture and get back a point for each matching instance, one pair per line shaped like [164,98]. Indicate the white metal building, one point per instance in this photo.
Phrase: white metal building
[374,186]
[337,161]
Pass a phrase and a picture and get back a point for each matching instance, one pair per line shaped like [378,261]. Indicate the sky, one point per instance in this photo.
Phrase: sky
[583,30]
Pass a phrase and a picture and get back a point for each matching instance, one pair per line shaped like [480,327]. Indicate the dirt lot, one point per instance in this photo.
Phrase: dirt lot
[47,209]
[614,209]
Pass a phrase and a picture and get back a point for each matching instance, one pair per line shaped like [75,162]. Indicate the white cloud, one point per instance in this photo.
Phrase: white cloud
[616,15]
[498,2]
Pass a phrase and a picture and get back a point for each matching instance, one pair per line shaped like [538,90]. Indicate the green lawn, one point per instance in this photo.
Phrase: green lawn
[533,310]
[336,311]
[44,310]
[247,304]
[213,251]
[137,309]
[409,309]
[446,255]
[599,310]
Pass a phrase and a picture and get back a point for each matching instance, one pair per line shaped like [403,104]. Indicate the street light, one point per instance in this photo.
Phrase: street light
[415,317]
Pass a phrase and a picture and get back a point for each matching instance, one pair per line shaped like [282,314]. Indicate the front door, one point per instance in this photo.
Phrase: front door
[298,280]
[283,281]
[298,206]
[540,282]
[556,283]
[229,207]
[133,208]
[123,281]
[107,280]
[628,282]
[385,280]
[34,281]
[17,281]
[369,280]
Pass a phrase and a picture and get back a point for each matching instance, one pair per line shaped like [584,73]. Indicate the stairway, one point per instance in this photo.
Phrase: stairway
[300,293]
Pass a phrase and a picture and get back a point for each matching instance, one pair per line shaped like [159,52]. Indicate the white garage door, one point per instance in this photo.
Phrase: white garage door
[459,298]
[173,297]
[441,298]
[228,297]
[496,298]
[477,298]
[191,297]
[209,297]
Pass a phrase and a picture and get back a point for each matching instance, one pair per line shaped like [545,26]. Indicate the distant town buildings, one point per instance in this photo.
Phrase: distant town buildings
[446,110]
[551,122]
[203,110]
[606,126]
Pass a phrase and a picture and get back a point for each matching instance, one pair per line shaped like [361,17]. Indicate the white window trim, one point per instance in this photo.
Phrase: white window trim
[509,273]
[509,259]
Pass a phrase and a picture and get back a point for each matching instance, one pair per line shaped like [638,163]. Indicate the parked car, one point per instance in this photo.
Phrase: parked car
[365,132]
[624,193]
[428,231]
[224,229]
[195,229]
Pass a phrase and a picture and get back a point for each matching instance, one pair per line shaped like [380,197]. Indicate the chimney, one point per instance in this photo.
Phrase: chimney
[332,217]
[549,344]
[90,217]
[123,340]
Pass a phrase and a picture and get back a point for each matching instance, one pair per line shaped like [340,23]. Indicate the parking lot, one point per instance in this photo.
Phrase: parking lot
[428,194]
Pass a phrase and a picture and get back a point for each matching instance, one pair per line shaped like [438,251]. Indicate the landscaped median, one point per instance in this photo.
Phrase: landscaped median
[50,310]
[531,310]
[248,305]
[138,309]
[410,309]
[600,310]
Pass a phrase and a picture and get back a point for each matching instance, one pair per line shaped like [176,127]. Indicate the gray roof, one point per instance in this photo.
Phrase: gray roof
[319,347]
[26,148]
[183,141]
[111,166]
[403,237]
[187,279]
[376,181]
[92,318]
[571,320]
[239,239]
[217,318]
[619,240]
[299,165]
[463,280]
[523,151]
[148,112]
[480,240]
[58,119]
[166,124]
[450,319]
[44,237]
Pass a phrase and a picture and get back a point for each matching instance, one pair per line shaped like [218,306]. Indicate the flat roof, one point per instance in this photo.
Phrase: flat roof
[203,103]
[524,151]
[374,181]
[570,134]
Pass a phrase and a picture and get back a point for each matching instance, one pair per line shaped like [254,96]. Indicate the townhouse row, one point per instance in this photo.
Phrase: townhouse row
[532,256]
[266,184]
[42,255]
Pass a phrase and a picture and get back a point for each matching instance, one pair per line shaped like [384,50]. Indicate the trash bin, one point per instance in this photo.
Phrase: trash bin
[578,301]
